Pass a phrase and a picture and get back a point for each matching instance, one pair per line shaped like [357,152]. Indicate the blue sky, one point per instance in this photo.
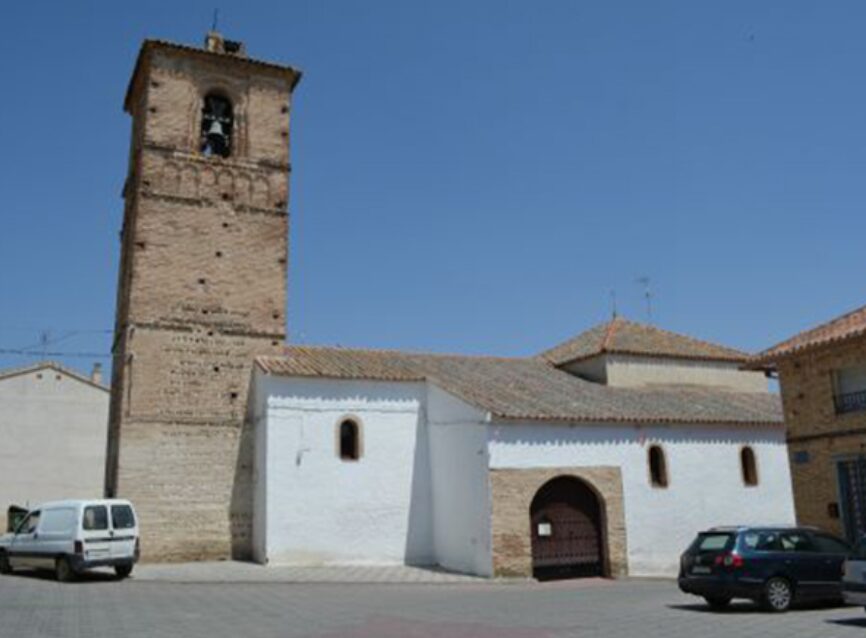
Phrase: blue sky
[473,177]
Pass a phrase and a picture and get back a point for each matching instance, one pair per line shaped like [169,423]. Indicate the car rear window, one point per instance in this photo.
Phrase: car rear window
[95,518]
[122,517]
[713,542]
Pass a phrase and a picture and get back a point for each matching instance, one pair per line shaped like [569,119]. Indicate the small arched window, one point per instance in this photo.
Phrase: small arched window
[349,440]
[749,466]
[658,467]
[217,124]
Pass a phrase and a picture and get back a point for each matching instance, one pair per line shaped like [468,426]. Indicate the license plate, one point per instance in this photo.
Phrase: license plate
[701,570]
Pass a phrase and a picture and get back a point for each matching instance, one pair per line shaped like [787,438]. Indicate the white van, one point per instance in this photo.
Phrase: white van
[71,536]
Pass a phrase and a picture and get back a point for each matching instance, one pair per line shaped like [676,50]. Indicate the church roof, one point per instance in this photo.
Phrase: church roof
[849,325]
[621,336]
[530,388]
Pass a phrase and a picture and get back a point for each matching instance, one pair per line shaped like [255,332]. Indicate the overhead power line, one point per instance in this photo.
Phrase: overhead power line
[45,353]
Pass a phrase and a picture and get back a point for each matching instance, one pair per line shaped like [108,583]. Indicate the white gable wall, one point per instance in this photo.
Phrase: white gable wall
[705,481]
[321,509]
[461,491]
[53,429]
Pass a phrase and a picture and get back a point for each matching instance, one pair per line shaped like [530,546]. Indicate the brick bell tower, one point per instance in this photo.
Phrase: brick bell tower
[201,291]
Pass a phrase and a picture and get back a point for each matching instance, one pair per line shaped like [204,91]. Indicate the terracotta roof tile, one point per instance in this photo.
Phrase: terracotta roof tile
[848,326]
[621,336]
[530,388]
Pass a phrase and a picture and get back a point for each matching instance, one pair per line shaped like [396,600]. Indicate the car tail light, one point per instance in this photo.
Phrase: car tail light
[137,548]
[78,547]
[729,560]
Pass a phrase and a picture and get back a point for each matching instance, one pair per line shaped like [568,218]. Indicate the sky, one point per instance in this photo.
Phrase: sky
[472,177]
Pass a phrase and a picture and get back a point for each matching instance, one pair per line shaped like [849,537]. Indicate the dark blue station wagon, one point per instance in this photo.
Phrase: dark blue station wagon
[774,566]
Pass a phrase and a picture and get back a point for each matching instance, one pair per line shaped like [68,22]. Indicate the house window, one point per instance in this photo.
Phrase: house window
[749,466]
[658,467]
[217,122]
[849,389]
[349,440]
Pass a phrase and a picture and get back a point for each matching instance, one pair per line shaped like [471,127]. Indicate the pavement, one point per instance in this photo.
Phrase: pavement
[241,572]
[33,604]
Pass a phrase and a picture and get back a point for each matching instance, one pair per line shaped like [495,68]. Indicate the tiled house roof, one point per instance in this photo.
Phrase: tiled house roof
[530,388]
[621,336]
[849,325]
[51,365]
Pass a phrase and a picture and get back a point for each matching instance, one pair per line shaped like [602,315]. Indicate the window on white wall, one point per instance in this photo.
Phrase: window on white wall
[658,466]
[349,440]
[749,466]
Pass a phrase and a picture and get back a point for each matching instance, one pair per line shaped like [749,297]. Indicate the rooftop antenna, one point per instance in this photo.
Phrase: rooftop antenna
[613,311]
[647,293]
[44,340]
[216,17]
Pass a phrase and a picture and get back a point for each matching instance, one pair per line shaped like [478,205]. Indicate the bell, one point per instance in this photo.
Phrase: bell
[216,139]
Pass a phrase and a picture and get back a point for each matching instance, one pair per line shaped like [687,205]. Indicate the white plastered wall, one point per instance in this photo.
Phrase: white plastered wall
[460,486]
[705,480]
[54,429]
[321,509]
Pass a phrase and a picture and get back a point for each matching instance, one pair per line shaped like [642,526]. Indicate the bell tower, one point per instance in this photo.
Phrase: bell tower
[201,291]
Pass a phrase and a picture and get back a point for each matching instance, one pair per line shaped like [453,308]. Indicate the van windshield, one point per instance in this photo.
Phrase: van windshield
[122,517]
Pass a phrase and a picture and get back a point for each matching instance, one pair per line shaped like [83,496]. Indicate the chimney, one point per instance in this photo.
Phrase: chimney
[96,375]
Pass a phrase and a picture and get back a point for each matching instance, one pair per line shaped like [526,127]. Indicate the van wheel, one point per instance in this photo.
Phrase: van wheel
[122,571]
[5,567]
[778,594]
[63,570]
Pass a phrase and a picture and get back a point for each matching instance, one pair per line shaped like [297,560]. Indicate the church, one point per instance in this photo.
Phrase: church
[603,455]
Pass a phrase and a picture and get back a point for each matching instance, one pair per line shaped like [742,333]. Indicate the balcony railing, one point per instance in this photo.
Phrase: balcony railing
[850,402]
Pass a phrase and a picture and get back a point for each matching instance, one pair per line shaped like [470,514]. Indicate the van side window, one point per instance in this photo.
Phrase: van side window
[122,517]
[95,518]
[58,521]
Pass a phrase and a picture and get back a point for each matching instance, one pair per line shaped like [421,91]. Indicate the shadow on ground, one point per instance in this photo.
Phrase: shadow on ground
[747,607]
[47,574]
[849,622]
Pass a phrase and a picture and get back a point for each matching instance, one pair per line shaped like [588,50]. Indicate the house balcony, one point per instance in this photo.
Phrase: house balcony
[850,402]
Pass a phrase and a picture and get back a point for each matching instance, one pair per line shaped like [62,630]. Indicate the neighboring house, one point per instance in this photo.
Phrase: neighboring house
[53,430]
[604,455]
[822,373]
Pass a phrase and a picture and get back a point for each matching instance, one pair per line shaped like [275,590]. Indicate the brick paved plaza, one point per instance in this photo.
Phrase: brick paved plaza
[98,606]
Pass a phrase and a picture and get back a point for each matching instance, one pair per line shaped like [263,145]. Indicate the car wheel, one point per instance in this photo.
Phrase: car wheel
[122,571]
[778,594]
[5,567]
[718,602]
[63,570]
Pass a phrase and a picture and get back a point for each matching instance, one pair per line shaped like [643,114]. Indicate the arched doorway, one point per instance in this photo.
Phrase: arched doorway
[567,539]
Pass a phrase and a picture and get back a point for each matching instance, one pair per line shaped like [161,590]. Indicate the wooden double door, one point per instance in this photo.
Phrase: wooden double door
[567,539]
